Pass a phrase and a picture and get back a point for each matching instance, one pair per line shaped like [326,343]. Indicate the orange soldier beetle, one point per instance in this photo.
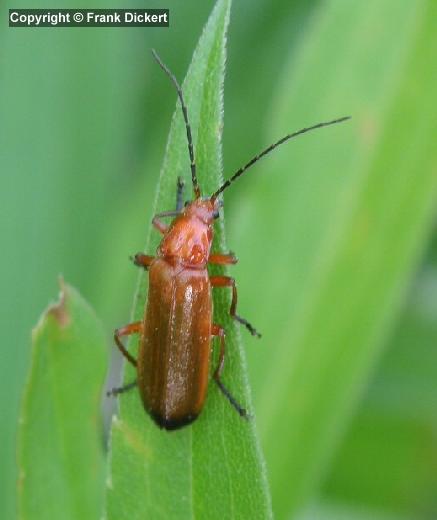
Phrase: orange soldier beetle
[177,329]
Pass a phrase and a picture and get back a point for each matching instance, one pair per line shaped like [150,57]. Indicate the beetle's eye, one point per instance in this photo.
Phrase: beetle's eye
[216,214]
[186,203]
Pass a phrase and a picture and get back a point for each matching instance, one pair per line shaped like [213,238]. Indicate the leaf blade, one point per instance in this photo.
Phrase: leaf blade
[191,457]
[60,438]
[357,220]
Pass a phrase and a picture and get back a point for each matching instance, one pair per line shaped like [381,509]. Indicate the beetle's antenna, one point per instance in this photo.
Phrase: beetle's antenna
[269,149]
[187,124]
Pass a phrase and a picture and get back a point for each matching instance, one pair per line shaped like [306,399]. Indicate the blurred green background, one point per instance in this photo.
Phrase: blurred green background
[84,115]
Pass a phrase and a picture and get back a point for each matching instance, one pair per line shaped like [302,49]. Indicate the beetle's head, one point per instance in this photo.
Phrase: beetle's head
[205,210]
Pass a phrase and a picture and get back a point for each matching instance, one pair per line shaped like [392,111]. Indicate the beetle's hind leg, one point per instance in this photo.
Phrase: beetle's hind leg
[127,330]
[219,332]
[121,389]
[228,281]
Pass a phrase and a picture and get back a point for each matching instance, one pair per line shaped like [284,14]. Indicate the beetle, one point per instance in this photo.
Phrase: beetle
[177,328]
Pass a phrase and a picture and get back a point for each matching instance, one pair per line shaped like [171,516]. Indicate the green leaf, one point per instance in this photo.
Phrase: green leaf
[61,456]
[394,428]
[212,469]
[353,208]
[344,511]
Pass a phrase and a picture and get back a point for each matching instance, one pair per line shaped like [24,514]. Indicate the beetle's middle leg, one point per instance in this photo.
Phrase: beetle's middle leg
[219,332]
[143,260]
[228,281]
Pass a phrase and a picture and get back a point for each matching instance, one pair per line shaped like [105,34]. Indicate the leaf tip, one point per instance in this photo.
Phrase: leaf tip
[59,310]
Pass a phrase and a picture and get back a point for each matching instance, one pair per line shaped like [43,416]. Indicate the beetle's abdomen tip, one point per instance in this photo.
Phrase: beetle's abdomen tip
[173,423]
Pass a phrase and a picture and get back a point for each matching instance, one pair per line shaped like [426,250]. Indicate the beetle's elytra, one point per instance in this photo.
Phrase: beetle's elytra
[177,328]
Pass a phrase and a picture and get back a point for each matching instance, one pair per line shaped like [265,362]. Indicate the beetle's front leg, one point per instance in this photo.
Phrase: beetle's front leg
[180,184]
[219,332]
[156,221]
[222,259]
[159,225]
[228,281]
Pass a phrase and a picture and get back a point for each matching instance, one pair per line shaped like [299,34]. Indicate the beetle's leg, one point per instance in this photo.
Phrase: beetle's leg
[158,224]
[222,259]
[121,389]
[143,260]
[180,194]
[219,332]
[127,330]
[228,281]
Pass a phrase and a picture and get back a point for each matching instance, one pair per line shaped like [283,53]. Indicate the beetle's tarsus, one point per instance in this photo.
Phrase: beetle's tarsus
[242,412]
[180,184]
[248,326]
[121,389]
